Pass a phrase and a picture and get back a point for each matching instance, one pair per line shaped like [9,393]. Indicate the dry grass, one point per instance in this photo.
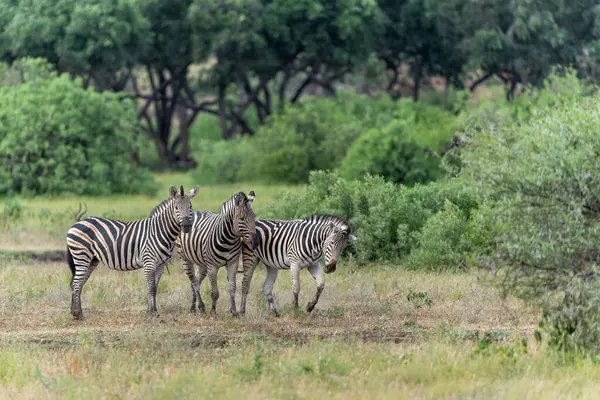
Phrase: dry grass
[377,332]
[365,340]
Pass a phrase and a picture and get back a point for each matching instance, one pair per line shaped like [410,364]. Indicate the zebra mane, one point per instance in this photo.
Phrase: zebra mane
[326,218]
[159,208]
[230,204]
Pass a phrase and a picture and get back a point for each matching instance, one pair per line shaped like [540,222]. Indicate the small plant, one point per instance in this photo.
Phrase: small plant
[12,210]
[254,370]
[419,299]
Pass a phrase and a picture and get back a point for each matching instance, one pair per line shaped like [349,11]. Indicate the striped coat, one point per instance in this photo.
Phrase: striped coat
[127,246]
[294,245]
[216,240]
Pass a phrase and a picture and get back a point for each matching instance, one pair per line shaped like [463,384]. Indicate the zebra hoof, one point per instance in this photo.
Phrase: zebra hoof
[310,307]
[234,314]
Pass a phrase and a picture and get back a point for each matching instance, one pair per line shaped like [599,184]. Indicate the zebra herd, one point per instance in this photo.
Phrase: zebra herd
[209,240]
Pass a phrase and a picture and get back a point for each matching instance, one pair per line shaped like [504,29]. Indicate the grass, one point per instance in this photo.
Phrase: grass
[368,338]
[44,221]
[377,332]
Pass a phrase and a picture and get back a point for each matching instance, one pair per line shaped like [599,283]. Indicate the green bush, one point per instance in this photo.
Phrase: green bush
[57,138]
[542,177]
[440,243]
[402,151]
[225,161]
[385,217]
[315,135]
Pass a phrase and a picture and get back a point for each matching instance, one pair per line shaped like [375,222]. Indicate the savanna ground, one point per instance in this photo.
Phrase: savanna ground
[379,331]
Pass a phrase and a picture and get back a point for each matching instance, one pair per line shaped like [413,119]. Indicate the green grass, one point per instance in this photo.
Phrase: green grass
[367,339]
[45,220]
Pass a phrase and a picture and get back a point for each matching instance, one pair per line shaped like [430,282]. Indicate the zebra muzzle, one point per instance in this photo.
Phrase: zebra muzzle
[330,268]
[187,225]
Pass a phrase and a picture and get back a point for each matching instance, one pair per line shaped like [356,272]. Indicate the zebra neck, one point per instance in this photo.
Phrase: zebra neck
[228,236]
[166,223]
[322,232]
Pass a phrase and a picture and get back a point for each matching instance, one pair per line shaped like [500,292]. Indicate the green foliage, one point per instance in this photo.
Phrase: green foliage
[315,134]
[385,217]
[226,161]
[524,41]
[439,242]
[419,299]
[574,325]
[56,137]
[95,37]
[401,151]
[541,175]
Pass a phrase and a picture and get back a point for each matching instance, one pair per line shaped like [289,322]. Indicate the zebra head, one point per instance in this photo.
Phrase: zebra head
[244,219]
[182,206]
[337,239]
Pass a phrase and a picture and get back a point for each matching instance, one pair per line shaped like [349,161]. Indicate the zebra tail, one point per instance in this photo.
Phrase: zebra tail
[71,264]
[80,213]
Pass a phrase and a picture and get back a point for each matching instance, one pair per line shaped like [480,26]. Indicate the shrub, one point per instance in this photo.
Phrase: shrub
[439,243]
[543,178]
[225,161]
[402,150]
[386,217]
[56,137]
[315,135]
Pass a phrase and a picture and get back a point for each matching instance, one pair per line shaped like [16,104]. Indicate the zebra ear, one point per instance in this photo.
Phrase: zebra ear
[173,191]
[193,192]
[251,197]
[351,238]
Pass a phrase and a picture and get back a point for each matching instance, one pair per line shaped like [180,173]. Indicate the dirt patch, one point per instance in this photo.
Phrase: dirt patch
[47,256]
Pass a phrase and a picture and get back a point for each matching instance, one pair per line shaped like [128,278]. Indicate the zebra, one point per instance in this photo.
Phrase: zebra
[294,245]
[126,246]
[215,240]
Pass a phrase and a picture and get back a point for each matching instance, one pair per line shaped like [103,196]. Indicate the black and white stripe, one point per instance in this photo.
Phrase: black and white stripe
[216,240]
[294,245]
[126,246]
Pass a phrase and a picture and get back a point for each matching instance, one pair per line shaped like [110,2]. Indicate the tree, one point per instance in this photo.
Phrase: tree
[97,40]
[283,46]
[520,41]
[539,180]
[166,64]
[416,35]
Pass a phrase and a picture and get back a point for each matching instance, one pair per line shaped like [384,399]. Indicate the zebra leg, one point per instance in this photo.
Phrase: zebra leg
[295,283]
[268,288]
[83,270]
[214,288]
[159,271]
[249,265]
[316,271]
[150,272]
[202,271]
[188,267]
[231,283]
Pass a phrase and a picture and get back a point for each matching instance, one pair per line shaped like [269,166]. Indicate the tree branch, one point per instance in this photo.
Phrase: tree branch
[479,81]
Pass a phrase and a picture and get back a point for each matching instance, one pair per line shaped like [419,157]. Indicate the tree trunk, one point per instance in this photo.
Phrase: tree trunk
[184,138]
[418,75]
[227,133]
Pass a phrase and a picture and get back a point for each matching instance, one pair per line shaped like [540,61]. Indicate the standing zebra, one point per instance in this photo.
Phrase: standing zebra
[215,240]
[295,244]
[126,246]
